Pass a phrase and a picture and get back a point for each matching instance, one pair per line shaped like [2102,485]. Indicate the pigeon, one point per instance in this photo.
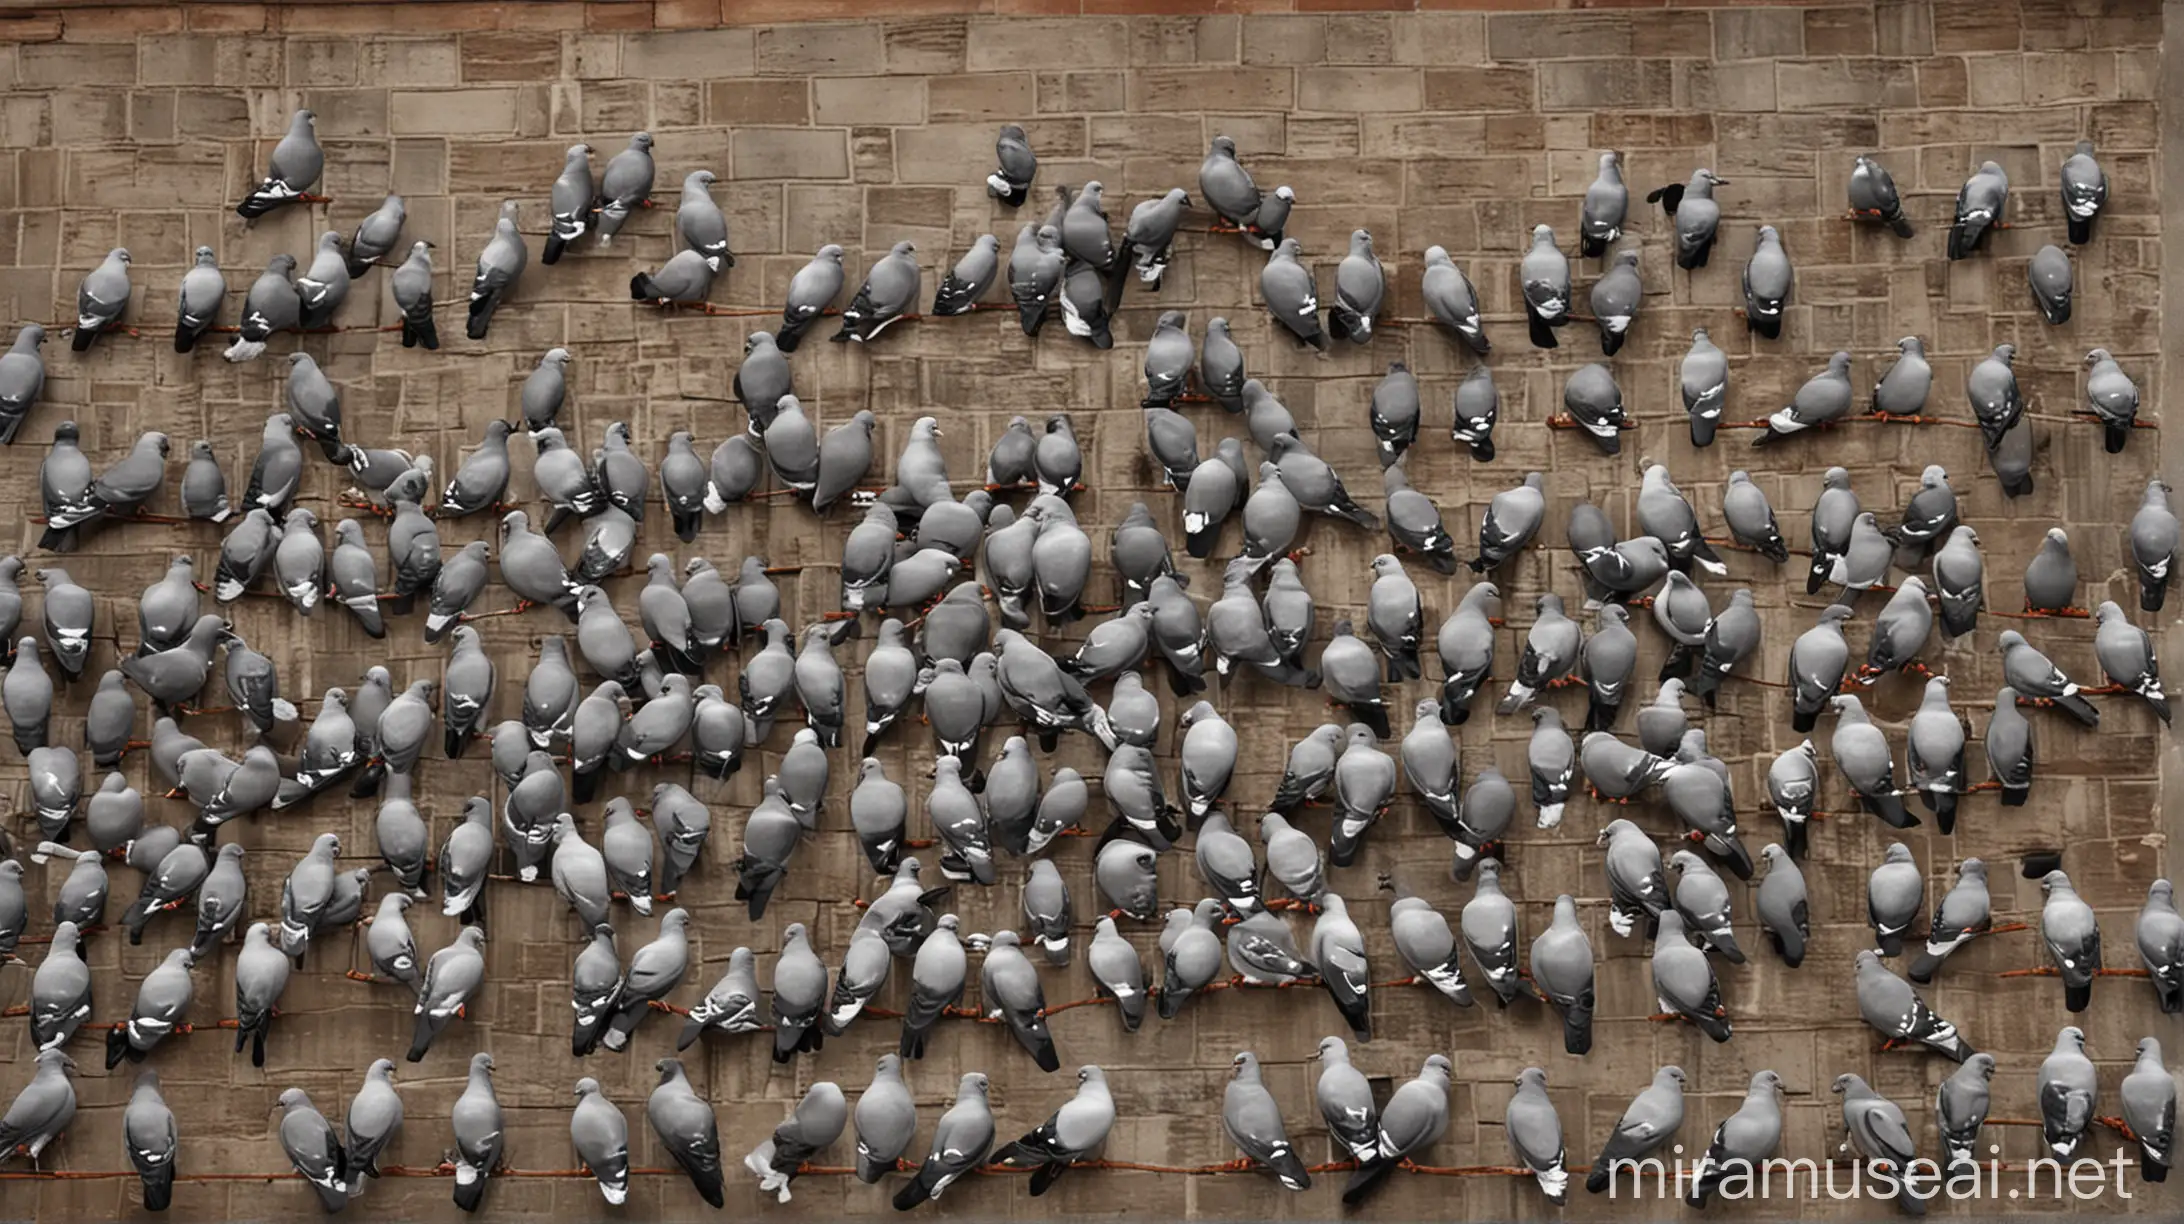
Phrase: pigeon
[1637,883]
[500,264]
[1647,1125]
[1592,399]
[204,291]
[1876,1126]
[1783,904]
[1544,276]
[572,200]
[601,1137]
[1616,297]
[1703,900]
[1703,376]
[1414,522]
[686,1126]
[2051,576]
[2126,655]
[1873,196]
[314,1149]
[1562,972]
[412,287]
[2069,1094]
[1823,400]
[685,278]
[1426,943]
[1819,660]
[1743,1141]
[290,173]
[732,1005]
[149,1131]
[1227,187]
[1664,514]
[1607,200]
[623,186]
[1286,286]
[2034,676]
[1455,304]
[2149,1106]
[1361,285]
[1979,206]
[1768,282]
[323,286]
[1896,1011]
[968,281]
[1075,1132]
[22,377]
[1551,650]
[1345,1099]
[1934,751]
[2073,938]
[961,1140]
[1684,981]
[1894,894]
[162,1000]
[2113,398]
[1338,952]
[889,290]
[1489,927]
[375,1117]
[1415,1118]
[816,1122]
[452,977]
[1551,758]
[478,1124]
[1960,1109]
[1862,752]
[271,305]
[1695,215]
[2050,276]
[2085,191]
[1010,991]
[1962,913]
[1011,181]
[1253,1120]
[1992,389]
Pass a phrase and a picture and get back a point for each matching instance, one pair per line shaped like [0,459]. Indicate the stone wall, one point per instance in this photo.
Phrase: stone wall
[141,126]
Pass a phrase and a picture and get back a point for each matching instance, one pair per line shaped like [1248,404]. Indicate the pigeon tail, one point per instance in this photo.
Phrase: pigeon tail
[2081,232]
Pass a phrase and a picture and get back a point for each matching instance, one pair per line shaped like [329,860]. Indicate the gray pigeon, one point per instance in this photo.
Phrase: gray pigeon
[1426,943]
[2034,676]
[1992,389]
[2051,576]
[1784,906]
[1562,972]
[2126,654]
[1768,283]
[1862,753]
[1875,1126]
[1703,900]
[816,1123]
[2069,1094]
[2073,939]
[478,1124]
[1896,1011]
[1823,400]
[1873,196]
[1361,285]
[1253,1120]
[452,977]
[1934,753]
[500,264]
[324,286]
[1647,1125]
[271,305]
[732,1005]
[261,974]
[1393,413]
[2149,1108]
[2113,398]
[375,1117]
[1415,1118]
[1616,297]
[1544,277]
[22,377]
[1979,207]
[1703,376]
[1607,200]
[1345,1099]
[1286,286]
[1551,650]
[890,290]
[1963,913]
[2085,190]
[685,1125]
[1594,402]
[101,298]
[1489,928]
[1048,914]
[961,1140]
[601,1136]
[1694,214]
[204,292]
[149,1132]
[162,1001]
[1684,982]
[2050,276]
[314,1149]
[1960,1109]
[1744,1139]
[291,172]
[1895,893]
[1414,522]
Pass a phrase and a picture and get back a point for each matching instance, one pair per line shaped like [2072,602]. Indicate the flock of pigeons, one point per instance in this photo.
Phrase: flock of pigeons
[931,561]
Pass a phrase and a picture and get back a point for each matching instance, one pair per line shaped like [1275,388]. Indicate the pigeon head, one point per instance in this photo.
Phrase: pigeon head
[1224,146]
[2096,356]
[1847,1083]
[1984,1063]
[2055,881]
[584,1087]
[641,141]
[669,1069]
[1530,1075]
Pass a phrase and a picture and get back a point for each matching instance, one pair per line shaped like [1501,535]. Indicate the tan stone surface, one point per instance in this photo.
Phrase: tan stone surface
[143,126]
